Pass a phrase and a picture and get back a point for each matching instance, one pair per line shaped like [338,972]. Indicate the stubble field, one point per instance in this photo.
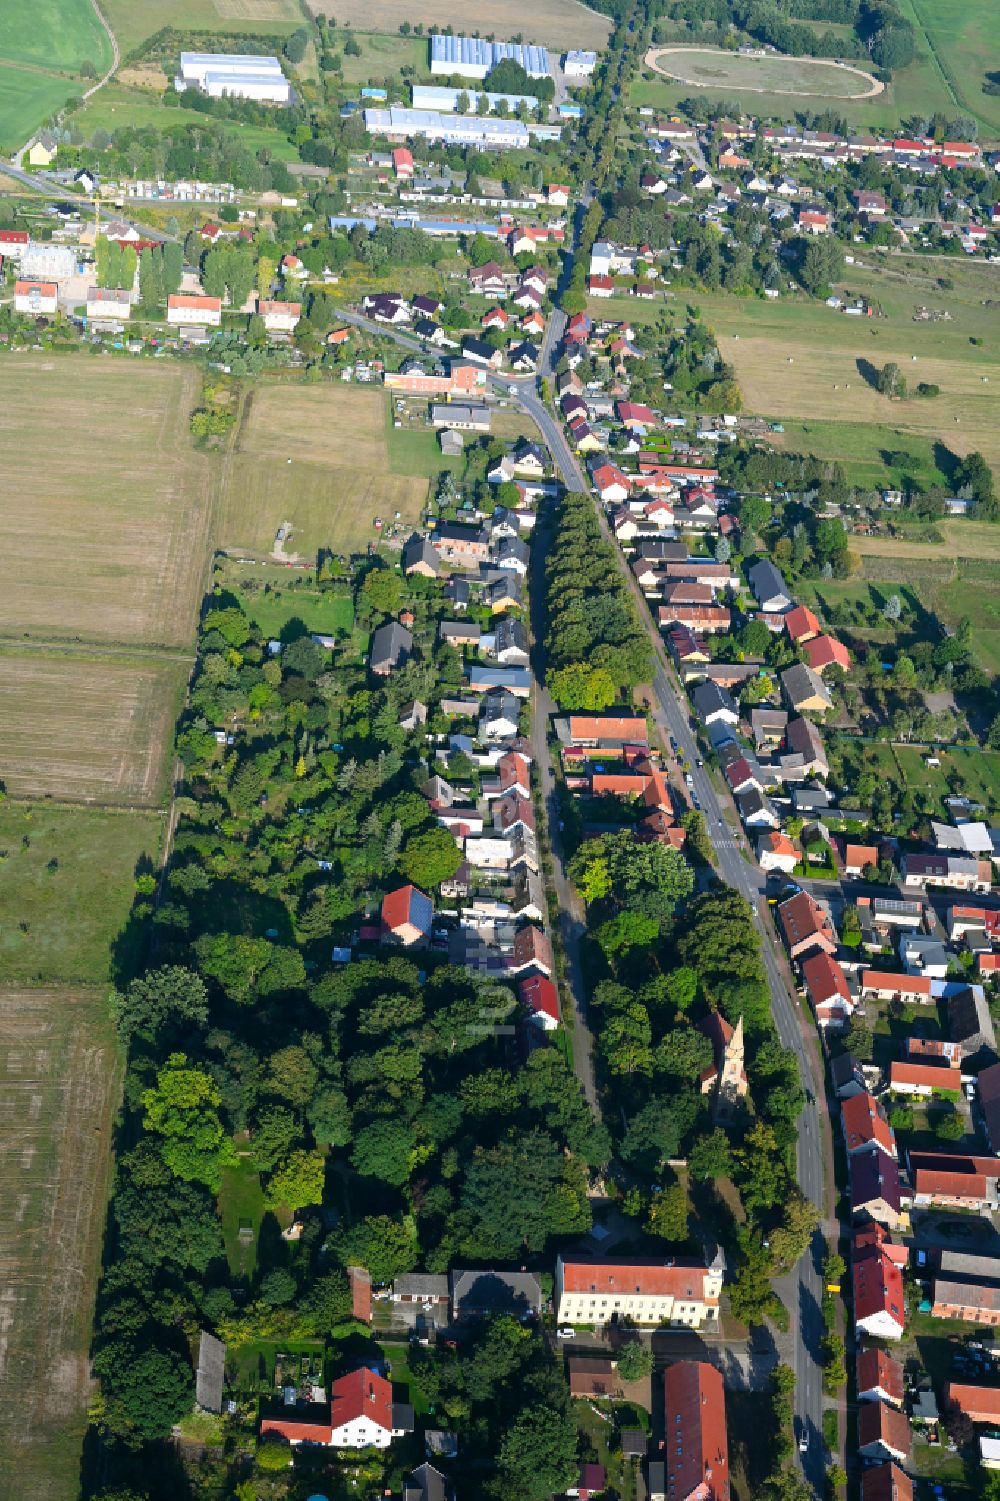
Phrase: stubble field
[59,1080]
[87,728]
[552,23]
[341,475]
[108,508]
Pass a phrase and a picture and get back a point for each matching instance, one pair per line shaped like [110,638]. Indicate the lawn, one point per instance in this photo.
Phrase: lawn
[342,474]
[88,728]
[105,536]
[118,106]
[272,599]
[959,37]
[134,20]
[58,921]
[550,23]
[59,1088]
[241,1202]
[384,56]
[28,96]
[710,67]
[873,456]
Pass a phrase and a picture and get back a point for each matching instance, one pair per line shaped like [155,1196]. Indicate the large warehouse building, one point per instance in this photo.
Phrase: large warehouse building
[439,97]
[471,57]
[486,131]
[240,77]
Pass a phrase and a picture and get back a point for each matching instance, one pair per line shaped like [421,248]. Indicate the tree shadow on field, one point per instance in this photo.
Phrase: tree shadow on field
[868,372]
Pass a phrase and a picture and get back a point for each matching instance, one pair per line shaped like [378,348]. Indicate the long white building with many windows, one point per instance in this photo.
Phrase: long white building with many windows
[471,57]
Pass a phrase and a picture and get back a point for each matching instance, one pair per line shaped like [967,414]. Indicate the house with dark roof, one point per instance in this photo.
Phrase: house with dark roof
[805,690]
[392,645]
[885,1482]
[971,1026]
[988,1086]
[481,1293]
[769,587]
[874,1189]
[712,703]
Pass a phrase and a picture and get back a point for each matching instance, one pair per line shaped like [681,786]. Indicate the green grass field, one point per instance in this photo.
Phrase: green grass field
[117,107]
[960,39]
[54,34]
[241,1201]
[57,922]
[271,597]
[872,456]
[41,49]
[382,56]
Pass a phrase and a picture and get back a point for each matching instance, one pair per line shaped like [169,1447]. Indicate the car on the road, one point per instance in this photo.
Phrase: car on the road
[673,745]
[689,779]
[804,1443]
[695,803]
[699,761]
[566,1332]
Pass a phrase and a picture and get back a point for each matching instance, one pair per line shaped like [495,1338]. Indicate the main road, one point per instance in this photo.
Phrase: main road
[801,1289]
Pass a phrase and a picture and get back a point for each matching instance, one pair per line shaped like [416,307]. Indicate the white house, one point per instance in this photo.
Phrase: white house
[36,297]
[579,64]
[187,308]
[108,302]
[361,1416]
[279,317]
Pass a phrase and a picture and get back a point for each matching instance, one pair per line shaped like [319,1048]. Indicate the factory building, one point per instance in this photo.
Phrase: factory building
[486,132]
[233,75]
[471,57]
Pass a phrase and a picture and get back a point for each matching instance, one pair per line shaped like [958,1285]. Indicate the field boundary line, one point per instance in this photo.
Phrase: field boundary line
[116,56]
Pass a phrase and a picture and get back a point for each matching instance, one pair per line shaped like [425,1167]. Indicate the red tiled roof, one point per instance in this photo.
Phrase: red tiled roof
[398,908]
[696,1445]
[942,1185]
[877,1370]
[980,1403]
[875,979]
[540,995]
[608,727]
[362,1393]
[878,1286]
[801,622]
[44,288]
[864,1123]
[860,855]
[877,1420]
[200,304]
[650,1279]
[926,1075]
[825,980]
[827,651]
[306,1433]
[885,1482]
[801,917]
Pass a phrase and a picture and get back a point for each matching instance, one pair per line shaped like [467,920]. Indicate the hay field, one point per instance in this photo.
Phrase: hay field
[134,20]
[803,380]
[105,528]
[341,476]
[59,1085]
[979,540]
[710,67]
[87,728]
[552,23]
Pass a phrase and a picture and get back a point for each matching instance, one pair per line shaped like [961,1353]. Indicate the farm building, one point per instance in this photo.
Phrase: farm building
[235,76]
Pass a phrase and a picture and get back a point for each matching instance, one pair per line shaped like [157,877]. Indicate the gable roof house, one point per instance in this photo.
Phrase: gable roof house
[874,1189]
[883,1433]
[866,1128]
[696,1443]
[801,624]
[885,1482]
[971,1026]
[419,557]
[407,915]
[879,1308]
[769,588]
[391,646]
[361,1416]
[826,651]
[879,1376]
[805,690]
[712,703]
[828,990]
[806,925]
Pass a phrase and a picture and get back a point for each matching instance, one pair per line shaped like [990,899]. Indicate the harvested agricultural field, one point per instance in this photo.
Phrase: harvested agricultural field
[107,537]
[832,384]
[710,67]
[134,20]
[552,23]
[59,1085]
[87,728]
[339,480]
